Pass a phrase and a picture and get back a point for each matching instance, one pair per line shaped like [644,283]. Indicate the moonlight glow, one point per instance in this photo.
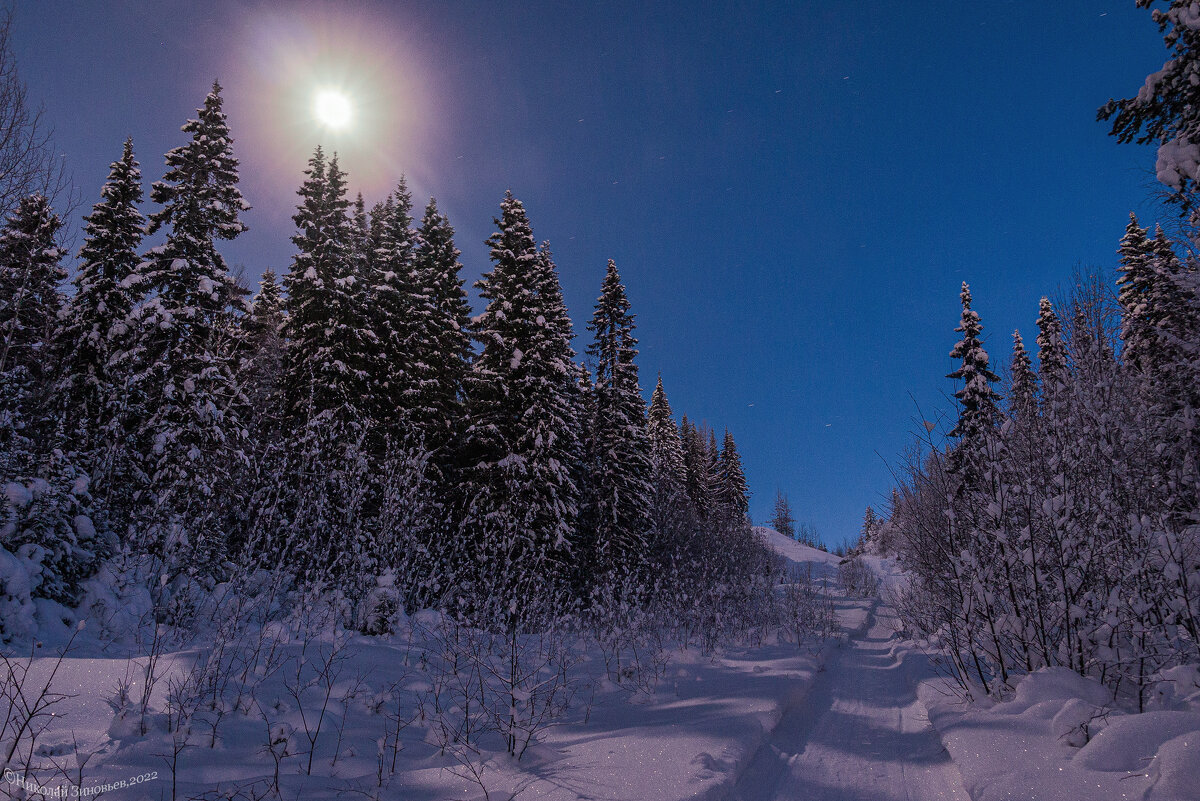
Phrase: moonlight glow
[332,108]
[336,78]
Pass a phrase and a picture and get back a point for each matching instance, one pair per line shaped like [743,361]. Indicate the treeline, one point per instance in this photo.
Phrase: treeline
[1062,525]
[350,424]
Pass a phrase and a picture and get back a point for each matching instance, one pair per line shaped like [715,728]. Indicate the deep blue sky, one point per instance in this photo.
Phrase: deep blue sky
[792,191]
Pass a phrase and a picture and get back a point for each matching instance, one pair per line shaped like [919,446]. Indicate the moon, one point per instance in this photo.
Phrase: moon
[333,109]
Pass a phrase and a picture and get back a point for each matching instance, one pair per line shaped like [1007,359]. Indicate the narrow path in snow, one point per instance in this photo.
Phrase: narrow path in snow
[860,734]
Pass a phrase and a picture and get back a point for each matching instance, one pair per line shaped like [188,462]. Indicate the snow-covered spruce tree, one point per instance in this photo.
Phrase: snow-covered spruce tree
[621,488]
[328,339]
[579,387]
[31,273]
[1023,390]
[1052,352]
[95,323]
[447,335]
[1135,283]
[1170,387]
[46,523]
[191,437]
[733,493]
[421,316]
[671,515]
[782,519]
[701,487]
[440,350]
[518,502]
[261,370]
[327,461]
[870,529]
[978,412]
[398,317]
[1176,317]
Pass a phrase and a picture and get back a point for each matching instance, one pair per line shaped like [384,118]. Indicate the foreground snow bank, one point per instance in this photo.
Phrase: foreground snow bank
[1060,738]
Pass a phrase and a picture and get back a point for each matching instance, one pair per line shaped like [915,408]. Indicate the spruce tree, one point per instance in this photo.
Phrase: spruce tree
[870,525]
[621,484]
[95,328]
[398,316]
[518,494]
[1174,311]
[782,519]
[329,342]
[31,273]
[447,337]
[1052,353]
[30,301]
[1135,284]
[977,400]
[700,486]
[670,505]
[190,435]
[1022,397]
[733,493]
[261,372]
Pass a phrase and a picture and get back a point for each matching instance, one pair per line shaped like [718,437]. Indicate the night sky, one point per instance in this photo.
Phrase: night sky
[792,191]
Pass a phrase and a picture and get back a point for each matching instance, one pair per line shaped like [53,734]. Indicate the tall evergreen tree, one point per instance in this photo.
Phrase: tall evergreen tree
[782,519]
[666,445]
[448,336]
[399,315]
[1052,352]
[621,484]
[519,496]
[978,410]
[1135,284]
[30,301]
[671,513]
[329,342]
[262,370]
[700,483]
[870,526]
[191,433]
[1174,302]
[1023,402]
[734,494]
[96,321]
[45,509]
[31,273]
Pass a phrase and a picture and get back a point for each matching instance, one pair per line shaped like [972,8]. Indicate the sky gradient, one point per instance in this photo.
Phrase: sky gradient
[793,192]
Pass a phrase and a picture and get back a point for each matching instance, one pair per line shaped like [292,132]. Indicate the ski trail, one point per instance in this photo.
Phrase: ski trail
[860,734]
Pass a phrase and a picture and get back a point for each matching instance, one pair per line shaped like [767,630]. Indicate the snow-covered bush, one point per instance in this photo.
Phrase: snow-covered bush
[855,578]
[19,575]
[50,521]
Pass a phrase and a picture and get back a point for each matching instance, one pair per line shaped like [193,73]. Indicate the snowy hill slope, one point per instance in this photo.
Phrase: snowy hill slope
[797,553]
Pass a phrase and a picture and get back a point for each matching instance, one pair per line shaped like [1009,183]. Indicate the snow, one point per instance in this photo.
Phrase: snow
[865,715]
[17,494]
[1062,737]
[798,554]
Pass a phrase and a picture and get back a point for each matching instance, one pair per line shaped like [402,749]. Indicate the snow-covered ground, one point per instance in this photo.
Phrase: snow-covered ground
[862,717]
[1060,737]
[691,733]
